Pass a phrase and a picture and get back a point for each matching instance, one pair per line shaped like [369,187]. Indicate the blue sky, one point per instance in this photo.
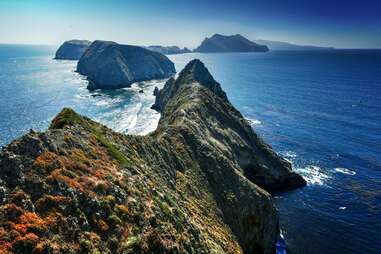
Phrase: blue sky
[346,24]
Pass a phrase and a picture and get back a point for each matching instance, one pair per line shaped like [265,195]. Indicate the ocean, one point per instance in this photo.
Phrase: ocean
[321,110]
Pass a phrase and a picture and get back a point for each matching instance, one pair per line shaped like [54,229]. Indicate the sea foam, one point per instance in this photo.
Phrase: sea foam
[314,175]
[345,171]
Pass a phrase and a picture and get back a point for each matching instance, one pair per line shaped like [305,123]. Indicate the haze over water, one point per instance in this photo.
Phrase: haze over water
[320,110]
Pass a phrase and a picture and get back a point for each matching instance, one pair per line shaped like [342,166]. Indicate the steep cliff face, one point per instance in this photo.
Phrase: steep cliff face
[72,50]
[232,43]
[109,65]
[256,160]
[188,187]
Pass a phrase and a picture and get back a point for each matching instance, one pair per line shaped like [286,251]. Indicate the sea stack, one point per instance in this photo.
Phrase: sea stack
[233,43]
[72,50]
[199,183]
[109,65]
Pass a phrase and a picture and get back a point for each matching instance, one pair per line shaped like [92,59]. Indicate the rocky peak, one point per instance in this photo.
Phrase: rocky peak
[193,73]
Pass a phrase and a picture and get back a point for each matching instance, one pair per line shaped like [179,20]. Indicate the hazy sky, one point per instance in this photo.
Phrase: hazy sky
[339,23]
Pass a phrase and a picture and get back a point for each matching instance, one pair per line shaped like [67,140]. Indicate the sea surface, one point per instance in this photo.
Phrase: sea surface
[320,110]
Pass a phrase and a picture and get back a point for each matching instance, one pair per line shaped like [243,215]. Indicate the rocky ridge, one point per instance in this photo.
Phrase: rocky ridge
[198,184]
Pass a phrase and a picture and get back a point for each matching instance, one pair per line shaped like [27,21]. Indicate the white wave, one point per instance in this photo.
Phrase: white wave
[342,208]
[289,154]
[345,171]
[253,121]
[314,175]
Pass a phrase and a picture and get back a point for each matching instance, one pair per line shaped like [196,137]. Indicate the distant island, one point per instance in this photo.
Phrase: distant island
[232,43]
[169,50]
[72,50]
[109,65]
[279,45]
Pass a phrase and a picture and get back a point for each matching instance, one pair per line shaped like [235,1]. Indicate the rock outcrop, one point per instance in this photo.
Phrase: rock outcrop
[72,50]
[109,65]
[169,50]
[233,43]
[191,186]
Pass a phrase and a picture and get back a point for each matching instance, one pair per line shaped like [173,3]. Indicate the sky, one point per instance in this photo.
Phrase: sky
[337,23]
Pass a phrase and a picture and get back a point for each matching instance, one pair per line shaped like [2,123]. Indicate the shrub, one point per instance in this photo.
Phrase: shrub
[47,161]
[103,226]
[48,202]
[85,246]
[25,244]
[114,220]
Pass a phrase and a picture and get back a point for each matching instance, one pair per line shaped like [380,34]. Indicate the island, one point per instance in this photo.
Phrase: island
[109,65]
[72,50]
[280,45]
[169,50]
[200,183]
[233,43]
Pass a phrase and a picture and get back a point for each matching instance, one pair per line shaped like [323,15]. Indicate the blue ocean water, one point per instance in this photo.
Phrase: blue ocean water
[320,110]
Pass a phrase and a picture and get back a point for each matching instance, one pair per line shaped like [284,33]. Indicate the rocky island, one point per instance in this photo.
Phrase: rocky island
[200,183]
[233,43]
[109,65]
[72,50]
[169,50]
[280,45]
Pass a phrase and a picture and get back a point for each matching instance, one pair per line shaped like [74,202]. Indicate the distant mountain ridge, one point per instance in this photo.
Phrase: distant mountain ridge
[231,43]
[279,45]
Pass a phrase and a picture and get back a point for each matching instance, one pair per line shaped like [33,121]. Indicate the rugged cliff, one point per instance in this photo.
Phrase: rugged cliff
[192,186]
[232,43]
[72,50]
[109,65]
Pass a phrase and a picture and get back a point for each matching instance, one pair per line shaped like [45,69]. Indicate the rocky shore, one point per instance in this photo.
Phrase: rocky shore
[200,183]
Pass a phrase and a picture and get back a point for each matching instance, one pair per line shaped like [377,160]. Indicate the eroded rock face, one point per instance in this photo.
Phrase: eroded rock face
[232,43]
[185,188]
[72,50]
[109,65]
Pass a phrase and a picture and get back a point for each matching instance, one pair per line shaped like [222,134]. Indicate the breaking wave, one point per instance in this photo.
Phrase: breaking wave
[314,175]
[345,171]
